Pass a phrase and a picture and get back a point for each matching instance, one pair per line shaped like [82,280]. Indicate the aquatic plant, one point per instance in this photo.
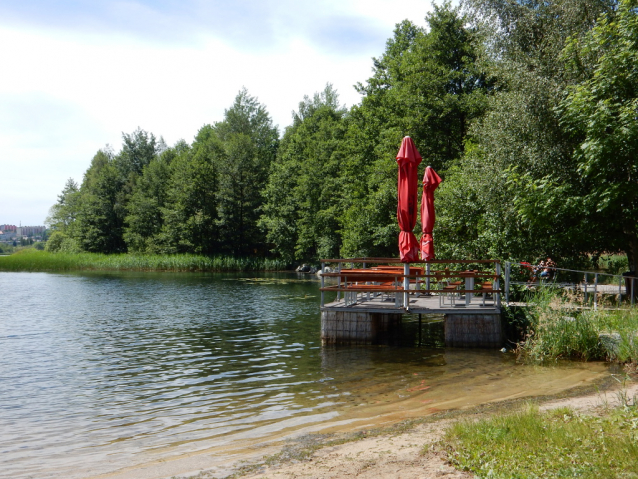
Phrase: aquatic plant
[558,329]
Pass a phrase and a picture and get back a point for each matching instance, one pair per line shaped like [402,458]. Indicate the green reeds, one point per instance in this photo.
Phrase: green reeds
[33,260]
[557,329]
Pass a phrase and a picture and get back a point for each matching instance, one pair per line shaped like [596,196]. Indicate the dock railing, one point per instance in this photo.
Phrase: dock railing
[378,276]
[590,283]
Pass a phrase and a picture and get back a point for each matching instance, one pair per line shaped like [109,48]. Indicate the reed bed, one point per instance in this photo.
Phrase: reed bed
[559,330]
[33,260]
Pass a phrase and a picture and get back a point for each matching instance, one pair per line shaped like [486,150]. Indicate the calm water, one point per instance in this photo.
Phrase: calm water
[102,371]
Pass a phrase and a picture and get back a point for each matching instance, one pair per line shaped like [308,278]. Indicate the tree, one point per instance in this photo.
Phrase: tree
[601,114]
[190,207]
[62,215]
[100,220]
[429,85]
[304,191]
[145,219]
[532,199]
[250,144]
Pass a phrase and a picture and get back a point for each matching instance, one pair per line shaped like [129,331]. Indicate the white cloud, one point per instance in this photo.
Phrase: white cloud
[65,94]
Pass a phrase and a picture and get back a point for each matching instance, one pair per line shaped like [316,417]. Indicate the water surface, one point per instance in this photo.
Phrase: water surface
[103,371]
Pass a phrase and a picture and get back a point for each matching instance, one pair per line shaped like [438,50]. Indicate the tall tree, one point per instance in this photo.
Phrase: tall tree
[190,209]
[428,84]
[532,197]
[250,144]
[303,195]
[100,221]
[145,219]
[601,113]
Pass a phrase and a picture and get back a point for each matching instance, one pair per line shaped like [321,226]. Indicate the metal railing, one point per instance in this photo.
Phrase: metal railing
[630,282]
[401,278]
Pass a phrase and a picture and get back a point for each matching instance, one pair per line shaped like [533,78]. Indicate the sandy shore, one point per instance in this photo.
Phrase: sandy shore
[407,455]
[400,451]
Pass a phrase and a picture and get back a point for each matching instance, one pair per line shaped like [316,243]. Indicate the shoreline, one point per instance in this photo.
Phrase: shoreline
[404,447]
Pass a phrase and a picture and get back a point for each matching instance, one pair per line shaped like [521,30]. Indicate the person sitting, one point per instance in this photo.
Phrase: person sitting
[547,268]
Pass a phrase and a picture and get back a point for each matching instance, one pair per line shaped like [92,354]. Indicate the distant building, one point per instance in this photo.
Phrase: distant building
[29,230]
[8,228]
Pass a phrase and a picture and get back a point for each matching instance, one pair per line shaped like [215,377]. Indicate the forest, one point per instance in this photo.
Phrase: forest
[527,109]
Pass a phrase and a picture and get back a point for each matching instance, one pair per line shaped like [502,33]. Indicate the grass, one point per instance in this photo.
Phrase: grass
[556,329]
[32,260]
[559,443]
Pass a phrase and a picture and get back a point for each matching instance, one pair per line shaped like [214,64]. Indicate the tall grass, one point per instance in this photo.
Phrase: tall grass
[33,260]
[556,329]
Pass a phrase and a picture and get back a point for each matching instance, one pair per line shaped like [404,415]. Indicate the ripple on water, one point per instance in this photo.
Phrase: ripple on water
[101,371]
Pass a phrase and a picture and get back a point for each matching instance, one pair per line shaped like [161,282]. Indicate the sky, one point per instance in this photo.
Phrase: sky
[76,74]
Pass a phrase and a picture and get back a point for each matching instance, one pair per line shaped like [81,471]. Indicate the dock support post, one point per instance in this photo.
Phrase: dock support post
[473,331]
[323,268]
[406,285]
[339,281]
[350,327]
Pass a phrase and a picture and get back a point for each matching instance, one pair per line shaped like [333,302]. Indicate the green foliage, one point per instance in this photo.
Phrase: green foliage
[428,85]
[559,443]
[525,108]
[145,217]
[250,143]
[100,220]
[304,191]
[59,242]
[190,209]
[600,112]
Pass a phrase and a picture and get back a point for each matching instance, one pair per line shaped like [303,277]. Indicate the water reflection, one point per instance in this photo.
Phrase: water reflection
[104,370]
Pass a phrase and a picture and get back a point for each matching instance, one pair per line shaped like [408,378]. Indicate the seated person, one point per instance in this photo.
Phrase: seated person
[547,268]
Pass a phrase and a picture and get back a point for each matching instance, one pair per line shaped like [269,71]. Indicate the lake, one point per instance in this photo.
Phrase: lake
[103,371]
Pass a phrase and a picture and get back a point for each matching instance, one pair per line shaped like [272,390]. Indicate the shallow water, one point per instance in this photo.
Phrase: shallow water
[103,371]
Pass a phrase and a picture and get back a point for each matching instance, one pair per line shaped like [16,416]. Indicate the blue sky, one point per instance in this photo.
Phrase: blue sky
[76,74]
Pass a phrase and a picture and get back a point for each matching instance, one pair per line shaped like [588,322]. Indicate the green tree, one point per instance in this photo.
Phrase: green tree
[532,197]
[601,113]
[250,144]
[145,219]
[429,85]
[189,213]
[100,220]
[62,215]
[303,195]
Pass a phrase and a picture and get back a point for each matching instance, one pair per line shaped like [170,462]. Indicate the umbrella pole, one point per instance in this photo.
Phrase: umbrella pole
[427,277]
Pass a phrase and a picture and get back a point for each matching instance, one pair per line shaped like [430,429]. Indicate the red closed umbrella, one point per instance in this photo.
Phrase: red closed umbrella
[408,159]
[431,182]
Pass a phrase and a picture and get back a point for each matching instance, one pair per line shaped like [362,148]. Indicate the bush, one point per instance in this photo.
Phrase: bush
[58,242]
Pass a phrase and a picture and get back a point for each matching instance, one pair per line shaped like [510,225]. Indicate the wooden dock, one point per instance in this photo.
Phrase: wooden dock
[374,293]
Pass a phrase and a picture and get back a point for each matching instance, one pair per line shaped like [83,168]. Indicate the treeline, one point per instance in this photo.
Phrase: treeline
[527,109]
